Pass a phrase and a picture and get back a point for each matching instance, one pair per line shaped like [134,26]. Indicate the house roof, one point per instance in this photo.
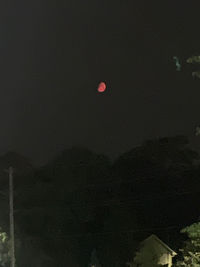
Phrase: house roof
[154,237]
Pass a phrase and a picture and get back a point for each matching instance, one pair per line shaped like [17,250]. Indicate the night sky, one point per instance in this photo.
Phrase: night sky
[55,53]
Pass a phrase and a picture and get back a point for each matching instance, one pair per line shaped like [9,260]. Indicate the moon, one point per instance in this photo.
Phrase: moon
[101,87]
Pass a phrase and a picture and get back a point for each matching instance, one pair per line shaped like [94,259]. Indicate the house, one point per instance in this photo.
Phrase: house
[153,252]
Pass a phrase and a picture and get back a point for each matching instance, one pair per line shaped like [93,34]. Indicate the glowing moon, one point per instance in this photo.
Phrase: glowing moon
[101,87]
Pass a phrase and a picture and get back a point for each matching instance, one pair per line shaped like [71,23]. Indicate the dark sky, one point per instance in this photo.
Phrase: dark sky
[54,54]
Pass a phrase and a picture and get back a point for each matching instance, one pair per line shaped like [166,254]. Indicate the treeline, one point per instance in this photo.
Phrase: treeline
[82,201]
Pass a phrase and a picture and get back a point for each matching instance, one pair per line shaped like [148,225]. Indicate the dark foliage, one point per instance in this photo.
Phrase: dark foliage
[80,200]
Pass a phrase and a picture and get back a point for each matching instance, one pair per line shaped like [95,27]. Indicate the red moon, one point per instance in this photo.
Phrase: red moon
[101,87]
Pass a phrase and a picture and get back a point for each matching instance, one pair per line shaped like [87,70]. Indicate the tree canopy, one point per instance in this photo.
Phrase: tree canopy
[191,248]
